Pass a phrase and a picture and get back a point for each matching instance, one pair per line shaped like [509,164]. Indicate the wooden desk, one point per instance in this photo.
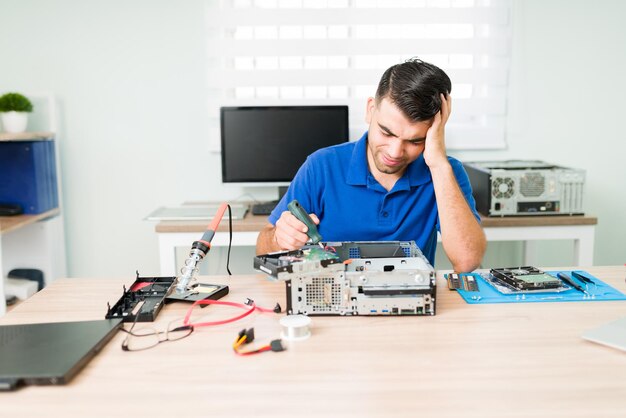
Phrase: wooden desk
[31,241]
[580,229]
[501,360]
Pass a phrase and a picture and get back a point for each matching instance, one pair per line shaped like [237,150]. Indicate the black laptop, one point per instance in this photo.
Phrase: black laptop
[51,353]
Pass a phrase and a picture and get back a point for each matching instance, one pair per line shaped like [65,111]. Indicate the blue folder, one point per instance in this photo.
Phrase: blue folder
[28,175]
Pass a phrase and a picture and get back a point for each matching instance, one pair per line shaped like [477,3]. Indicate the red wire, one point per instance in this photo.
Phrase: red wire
[247,353]
[249,309]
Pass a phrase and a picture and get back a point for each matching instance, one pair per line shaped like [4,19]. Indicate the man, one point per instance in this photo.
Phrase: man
[395,183]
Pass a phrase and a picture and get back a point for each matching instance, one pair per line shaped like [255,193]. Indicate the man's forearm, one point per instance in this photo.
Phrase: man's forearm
[266,243]
[462,236]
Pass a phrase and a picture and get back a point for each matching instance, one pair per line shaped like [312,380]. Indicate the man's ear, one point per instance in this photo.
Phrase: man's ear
[369,109]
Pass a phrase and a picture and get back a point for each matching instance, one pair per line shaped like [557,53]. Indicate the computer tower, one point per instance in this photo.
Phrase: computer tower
[526,188]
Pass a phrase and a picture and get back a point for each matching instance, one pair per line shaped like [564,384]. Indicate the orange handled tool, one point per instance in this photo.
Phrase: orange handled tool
[199,249]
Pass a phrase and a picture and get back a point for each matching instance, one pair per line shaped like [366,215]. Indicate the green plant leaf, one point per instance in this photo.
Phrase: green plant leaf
[15,102]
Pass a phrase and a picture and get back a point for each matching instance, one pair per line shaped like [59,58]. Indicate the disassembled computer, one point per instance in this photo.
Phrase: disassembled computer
[526,188]
[354,278]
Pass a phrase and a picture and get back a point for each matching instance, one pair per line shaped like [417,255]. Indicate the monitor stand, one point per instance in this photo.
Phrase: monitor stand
[266,208]
[281,192]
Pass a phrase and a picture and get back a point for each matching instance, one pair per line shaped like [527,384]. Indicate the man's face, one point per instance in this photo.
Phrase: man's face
[394,141]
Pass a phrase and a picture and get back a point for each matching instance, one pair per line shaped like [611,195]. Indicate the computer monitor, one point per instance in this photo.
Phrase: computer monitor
[265,145]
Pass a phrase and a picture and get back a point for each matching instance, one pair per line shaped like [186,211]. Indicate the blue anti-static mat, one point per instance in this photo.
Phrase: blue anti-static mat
[488,294]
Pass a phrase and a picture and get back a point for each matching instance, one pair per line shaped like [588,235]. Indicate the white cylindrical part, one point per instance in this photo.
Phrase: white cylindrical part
[295,327]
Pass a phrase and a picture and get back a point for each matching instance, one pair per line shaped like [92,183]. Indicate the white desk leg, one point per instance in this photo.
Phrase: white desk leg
[168,241]
[167,253]
[530,252]
[583,246]
[582,235]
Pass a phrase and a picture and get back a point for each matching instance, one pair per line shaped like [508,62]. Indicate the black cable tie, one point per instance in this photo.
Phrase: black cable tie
[277,308]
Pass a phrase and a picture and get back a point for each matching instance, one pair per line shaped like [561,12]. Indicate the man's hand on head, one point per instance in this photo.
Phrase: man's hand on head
[435,149]
[290,233]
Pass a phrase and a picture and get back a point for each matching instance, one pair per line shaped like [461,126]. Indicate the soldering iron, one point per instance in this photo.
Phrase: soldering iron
[199,249]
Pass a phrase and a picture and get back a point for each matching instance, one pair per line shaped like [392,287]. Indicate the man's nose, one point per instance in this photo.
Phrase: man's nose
[396,148]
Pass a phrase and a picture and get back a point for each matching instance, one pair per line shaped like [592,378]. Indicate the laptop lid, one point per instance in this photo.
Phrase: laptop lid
[50,353]
[612,334]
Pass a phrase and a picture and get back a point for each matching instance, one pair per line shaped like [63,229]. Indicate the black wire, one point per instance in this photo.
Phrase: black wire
[230,239]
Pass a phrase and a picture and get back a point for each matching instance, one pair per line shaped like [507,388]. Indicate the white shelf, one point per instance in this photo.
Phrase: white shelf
[33,241]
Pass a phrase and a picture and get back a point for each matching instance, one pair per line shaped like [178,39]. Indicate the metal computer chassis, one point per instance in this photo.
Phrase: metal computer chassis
[365,278]
[526,188]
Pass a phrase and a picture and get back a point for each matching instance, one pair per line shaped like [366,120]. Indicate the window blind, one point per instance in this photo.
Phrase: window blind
[310,52]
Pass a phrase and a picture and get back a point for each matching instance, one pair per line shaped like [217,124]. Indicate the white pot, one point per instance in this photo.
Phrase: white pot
[14,122]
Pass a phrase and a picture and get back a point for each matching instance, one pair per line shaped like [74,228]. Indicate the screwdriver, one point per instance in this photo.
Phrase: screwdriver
[564,277]
[582,278]
[298,211]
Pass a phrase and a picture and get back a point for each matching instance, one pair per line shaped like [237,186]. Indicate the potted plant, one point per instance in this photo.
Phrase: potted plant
[14,109]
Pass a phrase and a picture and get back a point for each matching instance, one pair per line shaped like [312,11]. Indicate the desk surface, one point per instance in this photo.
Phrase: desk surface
[250,223]
[11,223]
[254,223]
[501,360]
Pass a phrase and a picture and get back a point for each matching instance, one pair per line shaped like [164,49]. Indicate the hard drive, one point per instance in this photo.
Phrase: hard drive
[526,278]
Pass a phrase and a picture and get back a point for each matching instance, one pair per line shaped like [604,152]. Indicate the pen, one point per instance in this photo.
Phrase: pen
[582,278]
[564,277]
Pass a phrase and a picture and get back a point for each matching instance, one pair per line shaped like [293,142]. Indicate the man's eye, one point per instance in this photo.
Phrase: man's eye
[385,133]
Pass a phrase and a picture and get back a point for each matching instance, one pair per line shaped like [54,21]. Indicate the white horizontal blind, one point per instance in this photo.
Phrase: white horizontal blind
[308,52]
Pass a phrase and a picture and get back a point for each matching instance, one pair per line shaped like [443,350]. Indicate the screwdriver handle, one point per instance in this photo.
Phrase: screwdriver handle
[299,212]
[564,277]
[582,278]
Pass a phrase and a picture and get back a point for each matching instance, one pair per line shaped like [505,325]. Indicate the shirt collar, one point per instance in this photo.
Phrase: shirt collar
[357,172]
[417,172]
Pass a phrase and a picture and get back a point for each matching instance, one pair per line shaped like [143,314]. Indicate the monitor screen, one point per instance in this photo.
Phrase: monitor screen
[269,144]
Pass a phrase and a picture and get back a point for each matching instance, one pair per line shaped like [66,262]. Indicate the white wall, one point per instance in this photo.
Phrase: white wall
[129,76]
[130,79]
[566,106]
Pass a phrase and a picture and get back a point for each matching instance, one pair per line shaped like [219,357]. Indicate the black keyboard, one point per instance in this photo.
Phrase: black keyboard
[265,208]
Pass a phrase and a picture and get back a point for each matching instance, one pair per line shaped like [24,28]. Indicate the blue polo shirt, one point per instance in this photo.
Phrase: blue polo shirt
[335,184]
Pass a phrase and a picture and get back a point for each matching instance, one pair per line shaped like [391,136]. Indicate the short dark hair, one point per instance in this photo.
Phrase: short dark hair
[414,86]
